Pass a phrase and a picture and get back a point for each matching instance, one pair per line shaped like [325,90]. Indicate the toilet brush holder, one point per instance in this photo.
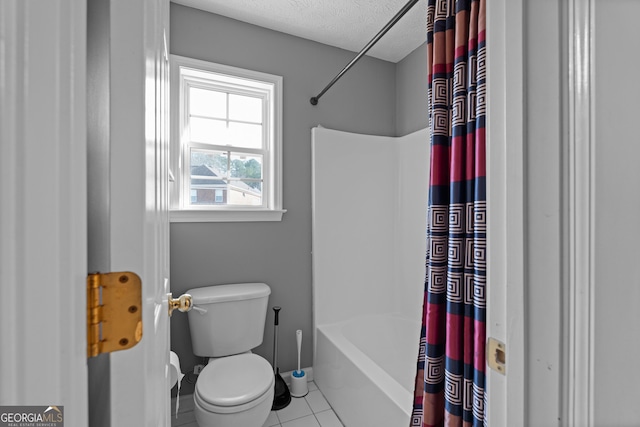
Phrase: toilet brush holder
[299,386]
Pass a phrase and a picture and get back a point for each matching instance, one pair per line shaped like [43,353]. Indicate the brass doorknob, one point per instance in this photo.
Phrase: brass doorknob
[183,303]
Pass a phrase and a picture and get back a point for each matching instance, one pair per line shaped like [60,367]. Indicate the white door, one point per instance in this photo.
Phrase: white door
[44,115]
[128,198]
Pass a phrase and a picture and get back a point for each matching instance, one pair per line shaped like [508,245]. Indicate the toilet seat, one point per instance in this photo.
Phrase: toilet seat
[234,383]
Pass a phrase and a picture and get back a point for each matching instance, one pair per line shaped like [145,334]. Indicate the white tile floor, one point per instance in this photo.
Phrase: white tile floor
[313,410]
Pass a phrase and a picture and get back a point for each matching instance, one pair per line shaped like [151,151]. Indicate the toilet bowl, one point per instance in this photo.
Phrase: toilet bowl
[234,391]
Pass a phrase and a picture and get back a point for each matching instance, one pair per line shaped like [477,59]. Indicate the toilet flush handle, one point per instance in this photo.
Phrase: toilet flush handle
[183,303]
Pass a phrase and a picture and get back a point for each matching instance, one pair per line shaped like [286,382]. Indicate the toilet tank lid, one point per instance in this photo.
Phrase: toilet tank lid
[233,292]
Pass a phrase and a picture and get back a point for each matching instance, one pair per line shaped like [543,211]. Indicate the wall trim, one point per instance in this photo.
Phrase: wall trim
[506,123]
[578,381]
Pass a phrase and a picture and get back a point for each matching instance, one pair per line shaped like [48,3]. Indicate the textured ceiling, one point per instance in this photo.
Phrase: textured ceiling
[348,24]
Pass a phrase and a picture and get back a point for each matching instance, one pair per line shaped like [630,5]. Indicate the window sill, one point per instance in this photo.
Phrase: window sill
[226,216]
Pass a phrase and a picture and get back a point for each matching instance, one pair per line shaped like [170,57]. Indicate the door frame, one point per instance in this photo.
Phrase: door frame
[577,383]
[43,249]
[508,127]
[506,121]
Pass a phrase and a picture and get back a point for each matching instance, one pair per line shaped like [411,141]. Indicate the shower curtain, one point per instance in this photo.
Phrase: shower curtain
[450,380]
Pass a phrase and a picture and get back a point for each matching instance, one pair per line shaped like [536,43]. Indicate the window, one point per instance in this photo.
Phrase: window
[219,196]
[226,143]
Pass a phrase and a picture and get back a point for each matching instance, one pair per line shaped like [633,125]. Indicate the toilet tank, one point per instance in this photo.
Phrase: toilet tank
[228,319]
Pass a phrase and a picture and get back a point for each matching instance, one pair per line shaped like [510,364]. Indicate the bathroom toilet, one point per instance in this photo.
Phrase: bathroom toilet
[236,387]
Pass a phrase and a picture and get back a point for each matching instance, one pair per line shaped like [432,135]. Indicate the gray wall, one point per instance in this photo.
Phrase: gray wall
[411,92]
[617,204]
[278,253]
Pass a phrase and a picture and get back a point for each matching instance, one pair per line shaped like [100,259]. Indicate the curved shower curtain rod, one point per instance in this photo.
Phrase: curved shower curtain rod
[396,18]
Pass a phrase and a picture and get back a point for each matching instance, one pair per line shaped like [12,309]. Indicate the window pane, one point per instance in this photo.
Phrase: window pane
[245,108]
[255,185]
[209,131]
[241,193]
[244,166]
[207,187]
[207,183]
[245,135]
[217,161]
[210,183]
[247,191]
[209,103]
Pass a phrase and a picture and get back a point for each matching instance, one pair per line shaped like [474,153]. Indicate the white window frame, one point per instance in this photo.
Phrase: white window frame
[187,72]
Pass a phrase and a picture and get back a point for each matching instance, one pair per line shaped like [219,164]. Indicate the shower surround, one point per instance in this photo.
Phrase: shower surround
[369,225]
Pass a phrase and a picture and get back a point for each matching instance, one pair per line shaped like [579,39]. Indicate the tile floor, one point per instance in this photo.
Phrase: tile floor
[311,411]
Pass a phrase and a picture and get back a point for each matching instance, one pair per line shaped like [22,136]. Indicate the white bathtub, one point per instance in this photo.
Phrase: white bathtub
[365,367]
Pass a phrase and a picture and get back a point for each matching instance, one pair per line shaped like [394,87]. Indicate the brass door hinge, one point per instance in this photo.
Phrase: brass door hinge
[114,312]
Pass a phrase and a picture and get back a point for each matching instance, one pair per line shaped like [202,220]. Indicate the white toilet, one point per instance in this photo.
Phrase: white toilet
[236,387]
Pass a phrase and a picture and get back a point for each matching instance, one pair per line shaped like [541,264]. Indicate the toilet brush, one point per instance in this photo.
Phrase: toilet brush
[299,385]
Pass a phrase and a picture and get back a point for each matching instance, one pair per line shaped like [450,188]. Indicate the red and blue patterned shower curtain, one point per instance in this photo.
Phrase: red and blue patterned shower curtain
[450,382]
